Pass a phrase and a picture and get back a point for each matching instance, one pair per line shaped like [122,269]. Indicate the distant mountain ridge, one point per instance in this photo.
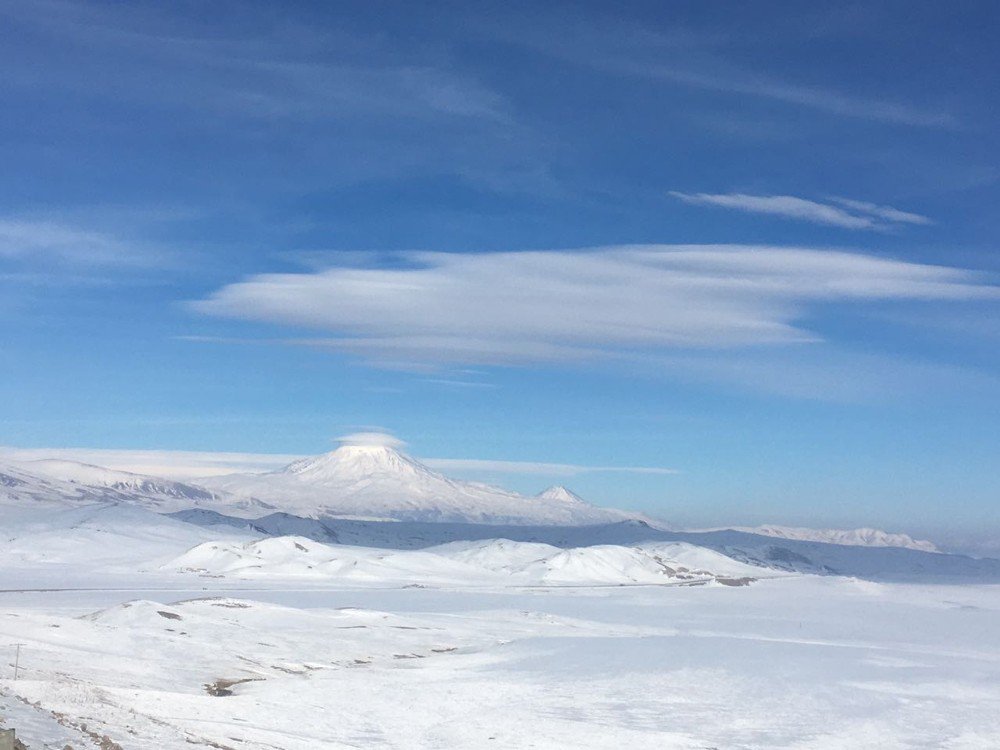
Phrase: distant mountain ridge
[63,483]
[863,537]
[356,481]
[18,485]
[124,482]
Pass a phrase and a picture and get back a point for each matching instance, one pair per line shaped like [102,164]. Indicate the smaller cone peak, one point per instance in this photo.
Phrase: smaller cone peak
[558,492]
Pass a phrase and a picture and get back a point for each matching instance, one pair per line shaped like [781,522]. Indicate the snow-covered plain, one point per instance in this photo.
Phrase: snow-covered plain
[140,631]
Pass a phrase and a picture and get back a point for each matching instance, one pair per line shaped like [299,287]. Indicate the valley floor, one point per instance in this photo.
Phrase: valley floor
[165,661]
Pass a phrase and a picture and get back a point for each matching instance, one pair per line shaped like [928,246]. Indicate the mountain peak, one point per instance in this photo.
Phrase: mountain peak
[357,461]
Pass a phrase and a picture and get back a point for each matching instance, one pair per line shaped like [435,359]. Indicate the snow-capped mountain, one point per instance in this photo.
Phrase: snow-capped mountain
[377,481]
[863,537]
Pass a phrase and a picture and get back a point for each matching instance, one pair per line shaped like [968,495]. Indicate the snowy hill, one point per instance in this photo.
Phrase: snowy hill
[864,537]
[377,481]
[494,562]
[791,555]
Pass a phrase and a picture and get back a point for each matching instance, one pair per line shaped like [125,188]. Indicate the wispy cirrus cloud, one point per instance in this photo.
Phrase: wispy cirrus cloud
[611,303]
[534,467]
[812,97]
[699,60]
[351,105]
[888,213]
[290,70]
[838,212]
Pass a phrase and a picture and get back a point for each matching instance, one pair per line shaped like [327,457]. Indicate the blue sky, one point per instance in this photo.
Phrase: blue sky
[753,243]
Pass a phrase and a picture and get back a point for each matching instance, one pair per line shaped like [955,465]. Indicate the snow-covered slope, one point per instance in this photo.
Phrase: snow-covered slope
[21,487]
[100,536]
[377,481]
[61,483]
[864,537]
[120,484]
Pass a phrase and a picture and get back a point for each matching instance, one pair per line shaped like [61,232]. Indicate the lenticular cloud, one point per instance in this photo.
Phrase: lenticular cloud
[543,306]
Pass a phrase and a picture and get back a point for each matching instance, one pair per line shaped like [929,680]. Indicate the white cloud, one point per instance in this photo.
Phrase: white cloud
[190,465]
[883,212]
[383,439]
[565,306]
[32,240]
[849,214]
